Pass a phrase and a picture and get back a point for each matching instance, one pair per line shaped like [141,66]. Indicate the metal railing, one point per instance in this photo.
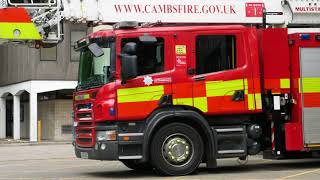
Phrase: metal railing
[32,3]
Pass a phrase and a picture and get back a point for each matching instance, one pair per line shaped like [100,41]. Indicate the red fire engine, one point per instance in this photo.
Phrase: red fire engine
[195,88]
[171,96]
[176,96]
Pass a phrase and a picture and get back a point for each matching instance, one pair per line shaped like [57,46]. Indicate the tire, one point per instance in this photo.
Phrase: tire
[169,143]
[132,164]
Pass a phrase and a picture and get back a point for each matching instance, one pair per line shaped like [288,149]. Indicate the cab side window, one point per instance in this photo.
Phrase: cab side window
[150,56]
[215,53]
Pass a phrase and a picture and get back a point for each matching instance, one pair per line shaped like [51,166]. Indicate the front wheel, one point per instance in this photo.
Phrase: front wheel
[176,149]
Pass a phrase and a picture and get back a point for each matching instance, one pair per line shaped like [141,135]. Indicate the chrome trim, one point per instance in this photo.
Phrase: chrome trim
[130,134]
[84,109]
[230,151]
[230,130]
[85,119]
[130,157]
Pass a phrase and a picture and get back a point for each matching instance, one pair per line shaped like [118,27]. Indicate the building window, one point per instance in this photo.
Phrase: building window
[215,53]
[74,37]
[66,129]
[48,54]
[150,56]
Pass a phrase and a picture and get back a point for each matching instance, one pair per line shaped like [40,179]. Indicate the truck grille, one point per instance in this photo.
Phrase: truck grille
[85,128]
[85,137]
[84,116]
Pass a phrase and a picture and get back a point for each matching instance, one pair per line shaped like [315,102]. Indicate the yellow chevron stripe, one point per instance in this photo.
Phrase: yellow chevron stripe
[251,102]
[223,88]
[140,94]
[27,31]
[284,83]
[257,97]
[201,103]
[183,101]
[311,85]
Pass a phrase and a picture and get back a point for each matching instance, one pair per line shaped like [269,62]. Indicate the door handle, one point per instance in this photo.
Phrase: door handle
[238,95]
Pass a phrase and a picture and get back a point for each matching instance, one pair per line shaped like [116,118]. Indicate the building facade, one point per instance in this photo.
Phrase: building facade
[36,87]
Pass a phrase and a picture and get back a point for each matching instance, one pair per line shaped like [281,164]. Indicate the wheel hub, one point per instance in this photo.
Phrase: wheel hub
[177,150]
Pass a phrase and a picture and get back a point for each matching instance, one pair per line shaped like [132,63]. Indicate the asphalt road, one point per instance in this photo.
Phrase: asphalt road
[58,162]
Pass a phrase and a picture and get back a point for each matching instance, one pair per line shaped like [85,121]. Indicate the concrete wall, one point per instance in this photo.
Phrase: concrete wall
[20,63]
[24,126]
[46,113]
[54,114]
[63,116]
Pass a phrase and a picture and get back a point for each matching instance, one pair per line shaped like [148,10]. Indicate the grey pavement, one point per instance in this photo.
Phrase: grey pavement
[11,142]
[57,161]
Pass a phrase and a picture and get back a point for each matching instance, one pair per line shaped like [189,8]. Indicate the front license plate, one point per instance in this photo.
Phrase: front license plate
[84,155]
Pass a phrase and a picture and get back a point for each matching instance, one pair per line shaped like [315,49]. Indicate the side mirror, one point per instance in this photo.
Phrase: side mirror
[148,40]
[129,67]
[96,50]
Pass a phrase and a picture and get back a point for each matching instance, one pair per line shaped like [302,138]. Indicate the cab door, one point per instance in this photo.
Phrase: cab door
[222,71]
[139,97]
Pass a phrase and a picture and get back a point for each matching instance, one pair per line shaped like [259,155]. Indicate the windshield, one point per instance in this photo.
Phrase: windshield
[95,71]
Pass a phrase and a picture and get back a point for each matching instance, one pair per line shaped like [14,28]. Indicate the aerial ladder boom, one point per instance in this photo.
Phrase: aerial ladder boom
[48,16]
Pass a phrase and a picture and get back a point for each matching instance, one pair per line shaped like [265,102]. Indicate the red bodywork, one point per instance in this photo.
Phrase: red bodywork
[14,15]
[294,130]
[264,59]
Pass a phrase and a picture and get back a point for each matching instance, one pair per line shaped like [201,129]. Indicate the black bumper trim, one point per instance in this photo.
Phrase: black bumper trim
[110,153]
[113,151]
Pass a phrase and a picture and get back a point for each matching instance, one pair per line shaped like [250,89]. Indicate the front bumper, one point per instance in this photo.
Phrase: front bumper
[109,153]
[128,144]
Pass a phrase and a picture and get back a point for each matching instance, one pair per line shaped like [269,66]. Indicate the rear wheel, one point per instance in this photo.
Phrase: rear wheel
[176,149]
[133,164]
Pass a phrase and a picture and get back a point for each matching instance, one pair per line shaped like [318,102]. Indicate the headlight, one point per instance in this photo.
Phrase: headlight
[106,135]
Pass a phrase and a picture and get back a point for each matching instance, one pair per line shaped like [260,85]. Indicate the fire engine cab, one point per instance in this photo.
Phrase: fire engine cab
[170,96]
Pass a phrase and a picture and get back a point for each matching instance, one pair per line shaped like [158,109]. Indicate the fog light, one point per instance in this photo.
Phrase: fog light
[107,135]
[103,146]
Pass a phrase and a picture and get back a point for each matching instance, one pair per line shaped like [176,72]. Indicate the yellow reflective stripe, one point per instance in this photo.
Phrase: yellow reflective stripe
[284,83]
[152,96]
[223,88]
[246,86]
[82,97]
[140,94]
[201,103]
[183,101]
[311,85]
[251,102]
[257,97]
[299,84]
[138,90]
[27,31]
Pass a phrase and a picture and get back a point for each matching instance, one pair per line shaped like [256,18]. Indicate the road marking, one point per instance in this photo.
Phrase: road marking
[299,174]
